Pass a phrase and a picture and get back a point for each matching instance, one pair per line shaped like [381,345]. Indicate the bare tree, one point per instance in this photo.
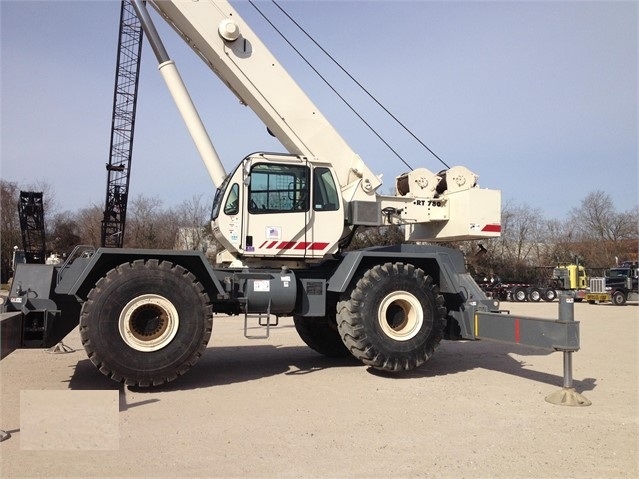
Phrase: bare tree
[63,233]
[89,222]
[522,235]
[602,233]
[150,226]
[194,231]
[594,218]
[560,243]
[10,235]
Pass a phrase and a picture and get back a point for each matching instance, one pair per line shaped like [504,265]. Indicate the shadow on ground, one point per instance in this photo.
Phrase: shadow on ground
[236,364]
[219,366]
[453,357]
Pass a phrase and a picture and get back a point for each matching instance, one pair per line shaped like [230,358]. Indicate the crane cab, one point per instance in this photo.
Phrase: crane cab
[281,206]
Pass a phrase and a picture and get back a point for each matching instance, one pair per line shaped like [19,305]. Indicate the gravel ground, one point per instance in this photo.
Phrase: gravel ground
[274,408]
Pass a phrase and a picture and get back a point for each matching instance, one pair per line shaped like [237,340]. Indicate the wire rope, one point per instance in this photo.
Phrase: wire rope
[368,125]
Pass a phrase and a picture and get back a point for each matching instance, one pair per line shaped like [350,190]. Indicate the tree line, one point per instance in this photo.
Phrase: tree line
[150,224]
[594,233]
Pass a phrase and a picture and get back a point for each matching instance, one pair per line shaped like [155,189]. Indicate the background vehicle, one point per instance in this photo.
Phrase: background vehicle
[566,278]
[617,287]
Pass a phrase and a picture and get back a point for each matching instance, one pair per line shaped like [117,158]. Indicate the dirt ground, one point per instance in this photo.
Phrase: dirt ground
[274,408]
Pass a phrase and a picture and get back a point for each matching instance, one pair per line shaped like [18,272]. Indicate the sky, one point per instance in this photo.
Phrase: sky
[537,98]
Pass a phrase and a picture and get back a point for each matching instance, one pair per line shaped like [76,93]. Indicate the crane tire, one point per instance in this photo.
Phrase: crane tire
[146,322]
[321,335]
[393,319]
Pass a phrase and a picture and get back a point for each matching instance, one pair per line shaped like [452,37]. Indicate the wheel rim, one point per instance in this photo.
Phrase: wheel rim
[148,323]
[400,316]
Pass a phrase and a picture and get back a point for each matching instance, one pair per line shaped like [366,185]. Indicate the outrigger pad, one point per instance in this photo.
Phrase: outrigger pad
[567,397]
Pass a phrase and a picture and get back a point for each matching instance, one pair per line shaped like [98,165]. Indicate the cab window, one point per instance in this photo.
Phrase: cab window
[277,188]
[232,205]
[219,195]
[325,197]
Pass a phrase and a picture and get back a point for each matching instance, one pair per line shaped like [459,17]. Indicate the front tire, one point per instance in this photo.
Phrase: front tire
[394,317]
[146,322]
[618,298]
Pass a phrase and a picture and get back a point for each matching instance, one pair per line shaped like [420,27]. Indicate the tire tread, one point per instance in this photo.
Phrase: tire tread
[117,272]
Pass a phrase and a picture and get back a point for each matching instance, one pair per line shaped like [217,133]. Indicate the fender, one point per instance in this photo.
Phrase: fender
[442,264]
[78,277]
[446,266]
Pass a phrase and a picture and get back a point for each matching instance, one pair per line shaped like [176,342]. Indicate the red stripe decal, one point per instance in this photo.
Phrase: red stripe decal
[287,244]
[301,245]
[273,243]
[517,331]
[262,245]
[492,228]
[316,246]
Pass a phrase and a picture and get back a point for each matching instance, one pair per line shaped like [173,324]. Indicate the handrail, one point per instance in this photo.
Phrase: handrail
[82,250]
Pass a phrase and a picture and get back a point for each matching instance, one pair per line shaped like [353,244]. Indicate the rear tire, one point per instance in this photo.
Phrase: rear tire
[146,322]
[534,295]
[394,317]
[519,295]
[549,295]
[321,335]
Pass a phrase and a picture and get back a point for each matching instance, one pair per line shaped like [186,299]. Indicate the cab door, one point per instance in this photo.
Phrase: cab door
[293,210]
[327,213]
[278,209]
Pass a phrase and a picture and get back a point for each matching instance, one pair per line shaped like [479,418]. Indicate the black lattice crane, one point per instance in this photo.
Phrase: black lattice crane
[122,126]
[31,213]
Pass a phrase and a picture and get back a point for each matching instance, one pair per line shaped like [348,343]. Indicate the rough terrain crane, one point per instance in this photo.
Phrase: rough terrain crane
[284,220]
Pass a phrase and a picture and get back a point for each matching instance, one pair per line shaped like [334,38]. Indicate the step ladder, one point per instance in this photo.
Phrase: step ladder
[263,320]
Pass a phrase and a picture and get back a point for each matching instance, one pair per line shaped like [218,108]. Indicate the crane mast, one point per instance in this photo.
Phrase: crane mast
[125,97]
[31,214]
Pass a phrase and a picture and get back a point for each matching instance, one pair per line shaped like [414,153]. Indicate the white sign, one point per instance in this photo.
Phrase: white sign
[261,286]
[274,232]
